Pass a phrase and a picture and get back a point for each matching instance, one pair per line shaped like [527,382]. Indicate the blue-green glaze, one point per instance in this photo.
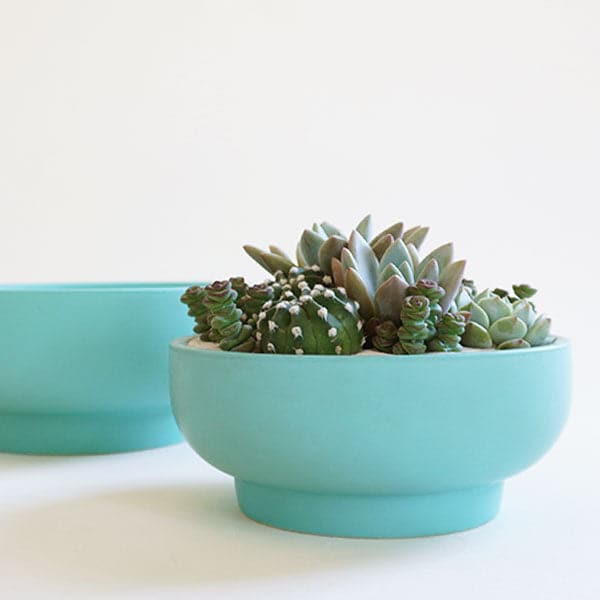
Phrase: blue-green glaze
[371,445]
[83,367]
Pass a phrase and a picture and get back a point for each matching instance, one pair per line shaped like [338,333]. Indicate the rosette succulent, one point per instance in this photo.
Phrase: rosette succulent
[324,242]
[380,284]
[504,322]
[318,321]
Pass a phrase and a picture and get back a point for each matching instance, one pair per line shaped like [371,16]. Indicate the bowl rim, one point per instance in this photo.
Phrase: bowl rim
[181,345]
[92,286]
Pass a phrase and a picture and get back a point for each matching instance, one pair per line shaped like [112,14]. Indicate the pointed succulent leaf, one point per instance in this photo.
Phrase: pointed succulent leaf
[277,263]
[365,228]
[407,272]
[476,336]
[389,271]
[300,258]
[397,253]
[514,344]
[450,279]
[381,245]
[478,315]
[337,272]
[357,290]
[483,294]
[415,236]
[463,298]
[507,328]
[525,311]
[431,271]
[495,308]
[347,259]
[414,256]
[280,252]
[389,298]
[394,230]
[539,331]
[331,248]
[318,229]
[330,229]
[443,254]
[257,255]
[365,260]
[310,242]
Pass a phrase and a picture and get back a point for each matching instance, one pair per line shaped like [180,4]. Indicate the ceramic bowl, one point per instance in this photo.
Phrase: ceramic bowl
[371,445]
[83,368]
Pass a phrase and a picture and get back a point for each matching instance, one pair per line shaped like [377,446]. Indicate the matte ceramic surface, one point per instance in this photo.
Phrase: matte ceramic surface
[83,368]
[371,445]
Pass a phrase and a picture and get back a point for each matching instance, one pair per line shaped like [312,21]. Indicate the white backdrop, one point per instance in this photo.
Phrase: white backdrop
[148,140]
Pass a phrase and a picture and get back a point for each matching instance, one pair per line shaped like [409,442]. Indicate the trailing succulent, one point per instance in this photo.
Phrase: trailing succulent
[423,324]
[344,293]
[218,318]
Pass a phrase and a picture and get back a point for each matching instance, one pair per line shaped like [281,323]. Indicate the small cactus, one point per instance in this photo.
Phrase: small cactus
[255,297]
[318,321]
[298,278]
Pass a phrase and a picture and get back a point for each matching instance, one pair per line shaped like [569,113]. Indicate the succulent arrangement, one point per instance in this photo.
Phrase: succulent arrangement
[342,294]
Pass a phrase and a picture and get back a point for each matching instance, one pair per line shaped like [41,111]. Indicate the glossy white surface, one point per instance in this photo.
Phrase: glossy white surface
[164,524]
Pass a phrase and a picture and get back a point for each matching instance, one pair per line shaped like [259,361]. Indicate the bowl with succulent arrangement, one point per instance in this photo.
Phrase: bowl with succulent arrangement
[83,367]
[364,390]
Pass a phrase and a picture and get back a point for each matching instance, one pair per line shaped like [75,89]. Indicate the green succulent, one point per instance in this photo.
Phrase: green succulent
[450,328]
[324,242]
[193,298]
[252,301]
[424,327]
[380,284]
[298,278]
[318,321]
[416,326]
[218,318]
[385,336]
[498,320]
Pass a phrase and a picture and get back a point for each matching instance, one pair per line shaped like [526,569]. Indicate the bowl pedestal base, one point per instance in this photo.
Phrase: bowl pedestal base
[367,516]
[90,433]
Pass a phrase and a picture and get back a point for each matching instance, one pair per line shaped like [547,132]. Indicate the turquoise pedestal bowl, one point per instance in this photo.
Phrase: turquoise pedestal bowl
[83,368]
[371,445]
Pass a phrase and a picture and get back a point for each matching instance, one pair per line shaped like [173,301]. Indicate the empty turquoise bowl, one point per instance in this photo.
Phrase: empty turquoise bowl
[371,445]
[83,367]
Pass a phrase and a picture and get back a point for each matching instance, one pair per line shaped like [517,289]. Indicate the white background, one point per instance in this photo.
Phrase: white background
[146,140]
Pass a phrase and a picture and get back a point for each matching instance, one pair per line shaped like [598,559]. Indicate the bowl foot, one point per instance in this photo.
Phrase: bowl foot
[369,516]
[91,433]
